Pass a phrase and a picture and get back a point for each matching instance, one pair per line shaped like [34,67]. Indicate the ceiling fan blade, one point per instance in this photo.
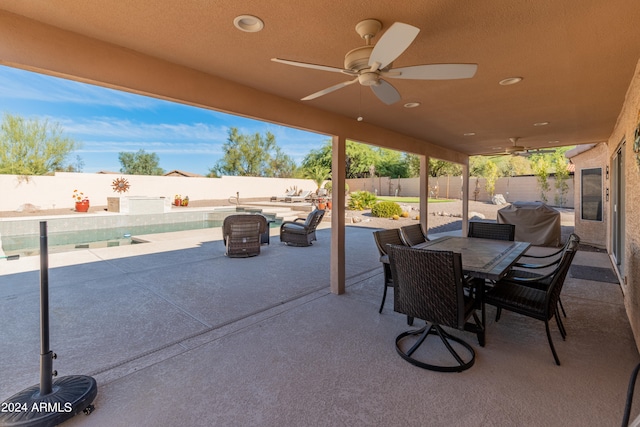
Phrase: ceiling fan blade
[329,90]
[393,42]
[386,92]
[307,65]
[434,72]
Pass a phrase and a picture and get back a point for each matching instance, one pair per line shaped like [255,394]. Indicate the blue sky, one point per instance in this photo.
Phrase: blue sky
[107,122]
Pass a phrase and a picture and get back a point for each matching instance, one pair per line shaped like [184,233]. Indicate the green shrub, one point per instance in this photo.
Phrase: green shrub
[386,209]
[361,200]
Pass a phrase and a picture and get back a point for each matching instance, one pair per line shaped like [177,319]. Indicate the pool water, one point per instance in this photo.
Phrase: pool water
[29,245]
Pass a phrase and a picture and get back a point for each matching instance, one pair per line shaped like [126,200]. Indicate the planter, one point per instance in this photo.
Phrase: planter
[322,206]
[82,206]
[177,202]
[329,203]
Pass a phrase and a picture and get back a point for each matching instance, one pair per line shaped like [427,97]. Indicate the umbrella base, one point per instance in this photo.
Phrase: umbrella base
[69,396]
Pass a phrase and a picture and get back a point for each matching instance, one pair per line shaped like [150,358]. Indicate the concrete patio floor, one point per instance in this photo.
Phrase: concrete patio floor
[175,333]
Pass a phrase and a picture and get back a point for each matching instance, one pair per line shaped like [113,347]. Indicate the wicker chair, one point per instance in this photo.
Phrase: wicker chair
[412,235]
[297,233]
[241,234]
[429,286]
[534,297]
[382,239]
[492,230]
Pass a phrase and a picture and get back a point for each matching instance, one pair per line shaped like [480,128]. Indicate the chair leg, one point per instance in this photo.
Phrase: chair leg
[563,331]
[498,313]
[553,350]
[460,365]
[562,307]
[384,297]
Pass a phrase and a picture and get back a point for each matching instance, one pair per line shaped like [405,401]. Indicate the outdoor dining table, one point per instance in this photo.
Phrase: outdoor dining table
[482,259]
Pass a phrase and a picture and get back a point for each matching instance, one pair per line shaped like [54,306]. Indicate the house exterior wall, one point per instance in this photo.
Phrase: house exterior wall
[624,130]
[591,232]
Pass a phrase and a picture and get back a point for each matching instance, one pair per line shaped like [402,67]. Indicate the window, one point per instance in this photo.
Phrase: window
[591,201]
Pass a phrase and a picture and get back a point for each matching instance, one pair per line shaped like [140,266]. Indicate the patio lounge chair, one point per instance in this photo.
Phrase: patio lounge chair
[300,198]
[297,233]
[282,198]
[429,286]
[242,234]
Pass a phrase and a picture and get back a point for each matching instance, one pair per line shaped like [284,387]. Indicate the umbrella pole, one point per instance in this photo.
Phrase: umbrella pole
[50,402]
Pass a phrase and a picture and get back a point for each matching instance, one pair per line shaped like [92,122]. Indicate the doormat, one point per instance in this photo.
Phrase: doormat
[597,274]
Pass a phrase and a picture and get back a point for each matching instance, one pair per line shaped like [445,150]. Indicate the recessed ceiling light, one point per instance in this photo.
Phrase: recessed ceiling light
[411,105]
[510,81]
[248,23]
[554,142]
[469,134]
[541,124]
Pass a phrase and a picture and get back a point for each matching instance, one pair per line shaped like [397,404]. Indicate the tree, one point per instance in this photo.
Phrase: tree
[140,163]
[253,155]
[561,167]
[541,167]
[33,147]
[317,174]
[491,175]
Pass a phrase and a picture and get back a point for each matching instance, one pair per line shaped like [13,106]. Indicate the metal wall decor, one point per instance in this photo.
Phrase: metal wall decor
[120,185]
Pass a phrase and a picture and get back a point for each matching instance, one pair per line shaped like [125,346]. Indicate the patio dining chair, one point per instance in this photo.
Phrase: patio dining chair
[412,235]
[534,297]
[383,238]
[492,230]
[429,285]
[241,234]
[298,233]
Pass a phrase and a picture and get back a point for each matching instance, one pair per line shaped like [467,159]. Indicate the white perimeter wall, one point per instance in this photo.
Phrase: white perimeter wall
[55,192]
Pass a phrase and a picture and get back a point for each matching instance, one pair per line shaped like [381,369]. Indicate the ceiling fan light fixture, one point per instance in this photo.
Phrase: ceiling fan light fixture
[248,23]
[411,105]
[510,81]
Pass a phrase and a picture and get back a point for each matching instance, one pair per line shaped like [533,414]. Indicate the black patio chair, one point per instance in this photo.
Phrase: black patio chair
[298,233]
[412,235]
[382,239]
[241,234]
[492,230]
[429,285]
[534,297]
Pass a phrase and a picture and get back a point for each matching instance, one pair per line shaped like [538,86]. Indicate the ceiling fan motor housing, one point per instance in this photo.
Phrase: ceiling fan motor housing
[358,59]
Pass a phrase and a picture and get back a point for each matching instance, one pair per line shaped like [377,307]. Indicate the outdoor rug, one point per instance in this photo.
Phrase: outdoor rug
[598,274]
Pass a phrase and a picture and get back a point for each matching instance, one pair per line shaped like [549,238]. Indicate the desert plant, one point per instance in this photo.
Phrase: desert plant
[386,210]
[361,200]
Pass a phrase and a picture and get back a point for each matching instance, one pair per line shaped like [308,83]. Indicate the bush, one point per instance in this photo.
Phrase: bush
[361,200]
[386,209]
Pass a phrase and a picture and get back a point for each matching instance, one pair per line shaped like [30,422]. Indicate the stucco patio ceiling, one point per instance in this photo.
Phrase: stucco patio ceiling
[576,58]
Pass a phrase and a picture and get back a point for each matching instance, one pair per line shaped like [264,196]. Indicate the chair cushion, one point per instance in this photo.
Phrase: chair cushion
[294,228]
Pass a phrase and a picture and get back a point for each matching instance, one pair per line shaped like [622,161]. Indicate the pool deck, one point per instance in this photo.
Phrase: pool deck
[176,333]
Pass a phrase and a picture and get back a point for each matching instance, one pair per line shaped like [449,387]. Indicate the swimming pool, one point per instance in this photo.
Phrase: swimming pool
[67,234]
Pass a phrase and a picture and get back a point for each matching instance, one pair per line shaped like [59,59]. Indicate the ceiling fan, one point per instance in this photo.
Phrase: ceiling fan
[368,64]
[519,150]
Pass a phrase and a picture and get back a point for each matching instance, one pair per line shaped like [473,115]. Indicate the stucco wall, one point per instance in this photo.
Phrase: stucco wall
[624,131]
[519,188]
[53,192]
[591,232]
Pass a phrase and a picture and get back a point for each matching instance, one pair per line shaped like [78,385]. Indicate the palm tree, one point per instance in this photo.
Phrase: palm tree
[317,174]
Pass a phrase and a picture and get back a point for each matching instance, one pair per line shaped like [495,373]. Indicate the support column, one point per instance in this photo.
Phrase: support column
[338,176]
[424,192]
[465,198]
